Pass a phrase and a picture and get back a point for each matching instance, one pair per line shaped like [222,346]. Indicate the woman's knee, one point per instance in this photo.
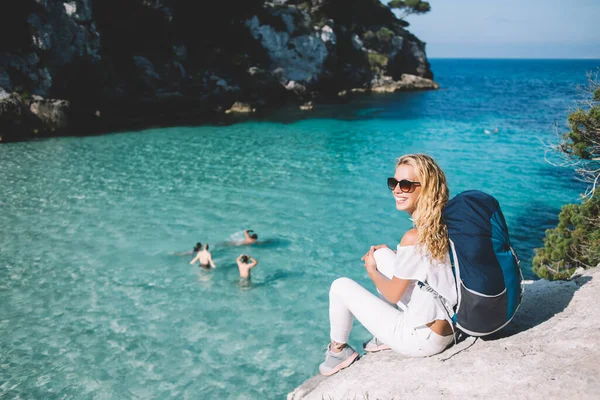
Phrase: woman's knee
[340,285]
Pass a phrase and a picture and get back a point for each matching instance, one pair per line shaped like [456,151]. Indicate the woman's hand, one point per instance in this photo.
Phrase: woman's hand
[369,259]
[379,246]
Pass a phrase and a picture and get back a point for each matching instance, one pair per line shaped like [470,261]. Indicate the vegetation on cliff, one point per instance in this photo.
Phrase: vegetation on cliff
[408,7]
[129,63]
[575,242]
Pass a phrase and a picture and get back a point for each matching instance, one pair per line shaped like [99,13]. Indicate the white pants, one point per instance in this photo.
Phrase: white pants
[347,299]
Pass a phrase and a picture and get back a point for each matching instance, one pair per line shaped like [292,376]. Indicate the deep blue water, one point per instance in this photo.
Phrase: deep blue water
[93,304]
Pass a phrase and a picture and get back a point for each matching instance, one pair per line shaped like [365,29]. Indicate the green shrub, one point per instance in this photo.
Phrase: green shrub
[356,13]
[368,36]
[378,60]
[319,18]
[25,95]
[574,243]
[385,35]
[408,7]
[580,147]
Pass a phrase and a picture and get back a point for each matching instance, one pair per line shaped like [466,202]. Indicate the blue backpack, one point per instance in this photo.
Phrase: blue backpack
[486,267]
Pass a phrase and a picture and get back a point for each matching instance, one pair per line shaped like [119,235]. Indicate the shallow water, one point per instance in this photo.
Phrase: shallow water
[93,304]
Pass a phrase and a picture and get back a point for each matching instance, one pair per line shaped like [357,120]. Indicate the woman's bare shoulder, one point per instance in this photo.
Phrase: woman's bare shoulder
[410,238]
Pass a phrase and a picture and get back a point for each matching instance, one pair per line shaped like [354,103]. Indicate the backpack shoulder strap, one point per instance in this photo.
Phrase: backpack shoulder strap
[439,299]
[442,304]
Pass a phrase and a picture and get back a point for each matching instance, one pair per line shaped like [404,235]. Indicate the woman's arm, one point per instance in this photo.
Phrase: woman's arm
[211,262]
[253,264]
[195,258]
[393,289]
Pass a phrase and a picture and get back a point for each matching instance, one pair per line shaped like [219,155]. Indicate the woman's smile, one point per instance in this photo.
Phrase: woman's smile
[400,199]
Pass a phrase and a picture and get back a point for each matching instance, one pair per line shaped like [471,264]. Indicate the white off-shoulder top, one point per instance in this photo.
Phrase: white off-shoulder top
[413,263]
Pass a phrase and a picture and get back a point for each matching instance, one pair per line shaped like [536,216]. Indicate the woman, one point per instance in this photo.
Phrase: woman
[421,328]
[205,258]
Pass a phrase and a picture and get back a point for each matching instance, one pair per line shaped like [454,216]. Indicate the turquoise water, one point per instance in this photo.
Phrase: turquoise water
[94,305]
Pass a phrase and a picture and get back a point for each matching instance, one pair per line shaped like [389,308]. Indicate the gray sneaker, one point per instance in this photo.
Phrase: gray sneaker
[374,345]
[337,361]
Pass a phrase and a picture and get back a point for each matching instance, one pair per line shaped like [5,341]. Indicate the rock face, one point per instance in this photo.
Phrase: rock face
[60,33]
[241,108]
[550,350]
[299,51]
[113,62]
[35,114]
[386,84]
[52,114]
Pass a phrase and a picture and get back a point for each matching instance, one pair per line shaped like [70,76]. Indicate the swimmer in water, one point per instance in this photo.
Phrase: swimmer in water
[205,258]
[245,264]
[242,238]
[250,236]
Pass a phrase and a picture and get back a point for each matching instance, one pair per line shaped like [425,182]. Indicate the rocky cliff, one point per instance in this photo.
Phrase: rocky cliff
[97,65]
[549,351]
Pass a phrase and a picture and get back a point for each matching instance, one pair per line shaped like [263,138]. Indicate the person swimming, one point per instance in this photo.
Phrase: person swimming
[250,236]
[205,258]
[247,236]
[245,264]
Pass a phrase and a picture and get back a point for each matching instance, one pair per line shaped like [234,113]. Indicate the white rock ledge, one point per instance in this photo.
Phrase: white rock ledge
[385,84]
[551,350]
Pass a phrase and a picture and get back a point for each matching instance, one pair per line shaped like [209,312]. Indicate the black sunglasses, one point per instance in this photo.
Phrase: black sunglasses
[406,186]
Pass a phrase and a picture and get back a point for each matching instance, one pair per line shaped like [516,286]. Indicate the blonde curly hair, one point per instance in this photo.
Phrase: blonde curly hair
[427,218]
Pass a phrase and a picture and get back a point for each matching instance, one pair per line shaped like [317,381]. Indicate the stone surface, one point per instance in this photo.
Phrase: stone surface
[386,84]
[12,115]
[61,33]
[5,82]
[11,107]
[328,35]
[239,107]
[549,351]
[51,113]
[302,57]
[308,106]
[147,72]
[3,94]
[357,43]
[296,88]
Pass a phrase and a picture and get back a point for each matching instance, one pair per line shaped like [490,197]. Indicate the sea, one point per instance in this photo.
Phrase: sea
[97,296]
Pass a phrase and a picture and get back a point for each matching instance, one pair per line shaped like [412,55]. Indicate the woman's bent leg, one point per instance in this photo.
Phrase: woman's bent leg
[348,299]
